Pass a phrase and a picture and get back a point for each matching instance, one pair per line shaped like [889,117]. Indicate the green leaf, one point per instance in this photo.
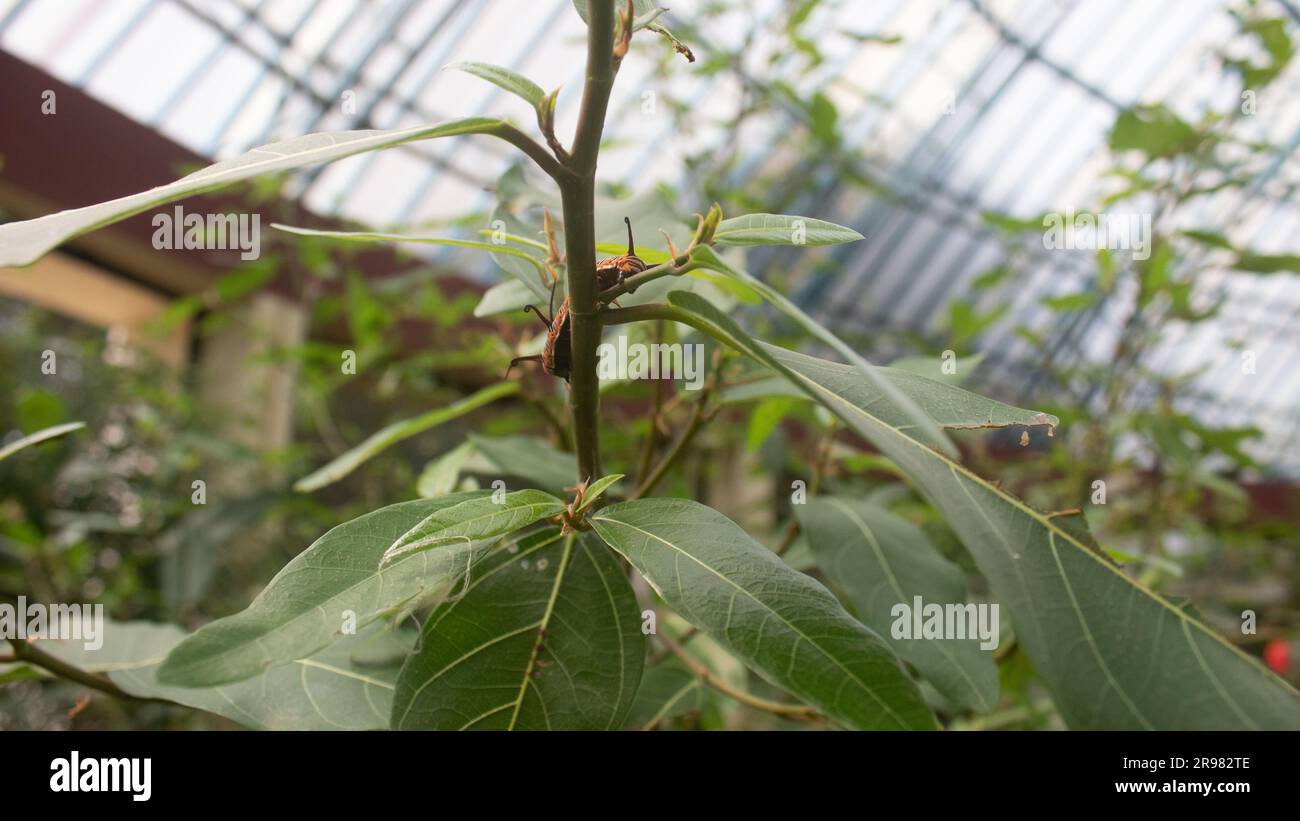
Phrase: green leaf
[22,243]
[779,229]
[1268,263]
[346,686]
[371,236]
[667,690]
[1071,302]
[1009,224]
[706,256]
[390,435]
[473,520]
[765,418]
[781,623]
[1211,238]
[880,560]
[38,437]
[932,367]
[505,298]
[530,458]
[439,477]
[1152,129]
[334,582]
[516,84]
[596,489]
[545,637]
[823,118]
[1113,654]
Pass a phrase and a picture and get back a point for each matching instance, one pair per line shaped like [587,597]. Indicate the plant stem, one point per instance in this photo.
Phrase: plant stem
[798,712]
[698,419]
[672,268]
[652,436]
[531,147]
[787,539]
[27,652]
[578,196]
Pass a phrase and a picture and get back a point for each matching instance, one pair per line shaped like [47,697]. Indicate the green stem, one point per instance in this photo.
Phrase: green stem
[28,653]
[578,196]
[698,420]
[531,147]
[798,712]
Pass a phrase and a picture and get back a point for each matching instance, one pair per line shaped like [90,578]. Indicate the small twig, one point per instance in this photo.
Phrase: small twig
[787,538]
[556,423]
[798,712]
[822,459]
[27,652]
[652,436]
[699,418]
[674,267]
[814,484]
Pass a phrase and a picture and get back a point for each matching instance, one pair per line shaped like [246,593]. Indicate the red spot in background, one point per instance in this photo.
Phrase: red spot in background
[1277,655]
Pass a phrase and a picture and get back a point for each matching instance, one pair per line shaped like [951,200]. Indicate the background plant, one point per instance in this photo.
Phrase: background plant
[518,577]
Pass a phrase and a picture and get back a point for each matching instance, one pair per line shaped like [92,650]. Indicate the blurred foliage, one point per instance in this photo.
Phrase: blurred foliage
[105,514]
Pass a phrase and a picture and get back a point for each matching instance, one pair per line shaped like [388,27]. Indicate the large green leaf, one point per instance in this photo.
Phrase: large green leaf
[22,243]
[783,624]
[780,229]
[543,637]
[346,686]
[309,602]
[473,520]
[930,432]
[951,407]
[880,560]
[1113,654]
[531,458]
[382,439]
[38,437]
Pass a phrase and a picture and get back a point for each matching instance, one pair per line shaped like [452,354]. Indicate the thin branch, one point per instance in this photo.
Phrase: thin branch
[798,712]
[532,148]
[699,418]
[652,435]
[787,539]
[674,267]
[29,653]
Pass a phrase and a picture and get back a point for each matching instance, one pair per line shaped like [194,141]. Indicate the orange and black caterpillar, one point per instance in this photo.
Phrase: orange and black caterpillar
[556,356]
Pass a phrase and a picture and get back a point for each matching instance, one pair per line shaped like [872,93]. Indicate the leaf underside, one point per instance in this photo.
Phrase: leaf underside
[546,636]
